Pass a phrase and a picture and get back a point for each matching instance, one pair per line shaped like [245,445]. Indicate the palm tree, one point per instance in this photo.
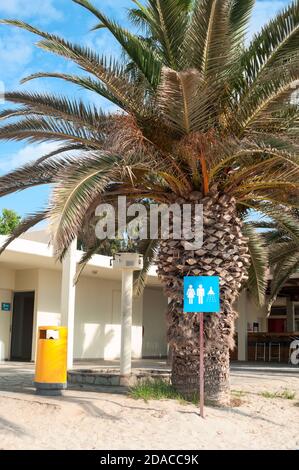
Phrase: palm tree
[204,119]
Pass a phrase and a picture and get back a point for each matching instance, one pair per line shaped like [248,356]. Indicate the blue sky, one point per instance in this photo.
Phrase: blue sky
[19,57]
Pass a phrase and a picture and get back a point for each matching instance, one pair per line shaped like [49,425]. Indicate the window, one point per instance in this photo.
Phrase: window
[278,311]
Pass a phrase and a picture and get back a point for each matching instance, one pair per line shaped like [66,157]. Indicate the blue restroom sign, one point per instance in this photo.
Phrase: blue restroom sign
[201,294]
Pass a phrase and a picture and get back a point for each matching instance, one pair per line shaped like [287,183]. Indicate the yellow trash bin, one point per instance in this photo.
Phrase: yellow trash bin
[51,360]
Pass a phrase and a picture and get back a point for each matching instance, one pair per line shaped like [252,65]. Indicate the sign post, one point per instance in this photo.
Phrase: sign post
[201,366]
[201,295]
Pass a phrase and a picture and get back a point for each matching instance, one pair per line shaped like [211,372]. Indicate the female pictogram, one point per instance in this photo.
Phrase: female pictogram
[190,294]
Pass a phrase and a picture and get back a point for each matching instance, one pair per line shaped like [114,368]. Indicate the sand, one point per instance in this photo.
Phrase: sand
[87,419]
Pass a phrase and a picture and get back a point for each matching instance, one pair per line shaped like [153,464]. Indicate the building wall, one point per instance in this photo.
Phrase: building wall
[154,323]
[97,313]
[98,320]
[26,280]
[7,278]
[48,297]
[7,283]
[252,311]
[41,236]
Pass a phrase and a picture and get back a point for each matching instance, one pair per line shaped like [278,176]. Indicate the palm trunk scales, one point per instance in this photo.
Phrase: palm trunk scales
[224,253]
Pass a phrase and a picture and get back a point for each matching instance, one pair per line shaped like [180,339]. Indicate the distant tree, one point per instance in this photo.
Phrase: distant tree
[9,220]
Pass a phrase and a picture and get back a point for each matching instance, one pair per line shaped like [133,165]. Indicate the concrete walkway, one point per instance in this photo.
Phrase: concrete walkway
[264,368]
[19,376]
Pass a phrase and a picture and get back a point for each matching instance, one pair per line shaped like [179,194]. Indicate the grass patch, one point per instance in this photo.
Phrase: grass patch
[161,390]
[238,393]
[285,394]
[157,390]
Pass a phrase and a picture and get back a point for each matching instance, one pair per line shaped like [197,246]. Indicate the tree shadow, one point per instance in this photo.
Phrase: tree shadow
[9,426]
[240,413]
[88,406]
[120,405]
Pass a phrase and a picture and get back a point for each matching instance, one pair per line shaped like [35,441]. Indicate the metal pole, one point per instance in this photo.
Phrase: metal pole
[201,365]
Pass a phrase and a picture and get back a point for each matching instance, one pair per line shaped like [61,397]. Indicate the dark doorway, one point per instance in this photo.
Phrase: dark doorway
[22,326]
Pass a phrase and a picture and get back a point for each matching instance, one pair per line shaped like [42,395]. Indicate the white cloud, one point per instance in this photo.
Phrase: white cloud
[25,155]
[16,51]
[44,9]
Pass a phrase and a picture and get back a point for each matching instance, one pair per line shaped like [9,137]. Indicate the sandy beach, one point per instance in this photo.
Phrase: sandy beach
[87,419]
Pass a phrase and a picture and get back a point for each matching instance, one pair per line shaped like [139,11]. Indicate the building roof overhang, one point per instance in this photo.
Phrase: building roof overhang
[28,254]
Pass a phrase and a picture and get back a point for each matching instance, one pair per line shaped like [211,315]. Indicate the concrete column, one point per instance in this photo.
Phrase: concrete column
[290,316]
[169,349]
[68,293]
[126,322]
[242,326]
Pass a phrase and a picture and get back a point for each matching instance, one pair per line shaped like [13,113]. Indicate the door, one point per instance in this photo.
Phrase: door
[22,326]
[276,325]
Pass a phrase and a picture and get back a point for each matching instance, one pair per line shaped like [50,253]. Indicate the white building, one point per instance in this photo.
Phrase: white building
[35,289]
[31,295]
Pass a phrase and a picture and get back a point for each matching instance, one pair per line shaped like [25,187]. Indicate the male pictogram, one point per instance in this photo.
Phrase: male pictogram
[200,292]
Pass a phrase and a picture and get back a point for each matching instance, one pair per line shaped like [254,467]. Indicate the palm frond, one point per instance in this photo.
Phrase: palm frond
[185,101]
[40,172]
[137,49]
[279,249]
[110,72]
[277,41]
[78,188]
[207,41]
[86,257]
[60,150]
[45,129]
[258,170]
[263,106]
[239,15]
[149,250]
[257,281]
[166,21]
[84,82]
[284,220]
[282,272]
[59,107]
[249,156]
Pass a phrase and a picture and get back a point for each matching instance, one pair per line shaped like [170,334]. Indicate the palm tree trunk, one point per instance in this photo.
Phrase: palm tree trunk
[224,253]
